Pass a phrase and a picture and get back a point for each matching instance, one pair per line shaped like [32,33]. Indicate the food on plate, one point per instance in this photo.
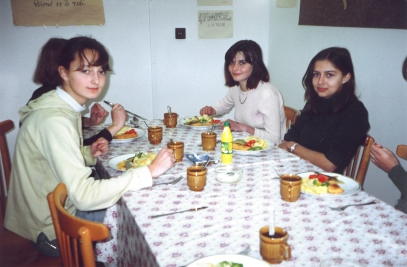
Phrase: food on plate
[220,264]
[320,184]
[140,159]
[125,133]
[204,120]
[335,189]
[250,143]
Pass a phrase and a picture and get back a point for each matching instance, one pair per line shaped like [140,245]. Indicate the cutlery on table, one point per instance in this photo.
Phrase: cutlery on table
[344,207]
[196,209]
[128,112]
[172,182]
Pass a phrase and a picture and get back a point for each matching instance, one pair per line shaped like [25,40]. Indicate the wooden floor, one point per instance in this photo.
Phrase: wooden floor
[16,251]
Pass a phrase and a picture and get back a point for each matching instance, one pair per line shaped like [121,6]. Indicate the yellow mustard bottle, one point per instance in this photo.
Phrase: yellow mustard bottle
[226,140]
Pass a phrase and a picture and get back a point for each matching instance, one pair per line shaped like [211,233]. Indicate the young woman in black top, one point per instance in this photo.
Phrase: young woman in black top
[333,123]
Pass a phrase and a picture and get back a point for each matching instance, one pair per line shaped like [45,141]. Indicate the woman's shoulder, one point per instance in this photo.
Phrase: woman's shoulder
[356,106]
[267,89]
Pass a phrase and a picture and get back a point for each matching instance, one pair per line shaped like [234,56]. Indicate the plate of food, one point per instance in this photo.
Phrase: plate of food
[136,160]
[201,122]
[250,145]
[127,134]
[328,184]
[228,260]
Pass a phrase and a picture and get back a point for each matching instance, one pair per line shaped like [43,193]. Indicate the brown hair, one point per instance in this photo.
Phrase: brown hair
[46,71]
[253,55]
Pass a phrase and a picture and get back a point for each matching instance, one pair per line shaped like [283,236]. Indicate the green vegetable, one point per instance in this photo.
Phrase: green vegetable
[318,183]
[256,148]
[229,264]
[239,142]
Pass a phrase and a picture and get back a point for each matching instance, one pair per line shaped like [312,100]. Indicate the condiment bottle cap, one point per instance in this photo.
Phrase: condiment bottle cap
[226,124]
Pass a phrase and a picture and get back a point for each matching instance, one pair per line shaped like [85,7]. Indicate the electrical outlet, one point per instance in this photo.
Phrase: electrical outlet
[180,33]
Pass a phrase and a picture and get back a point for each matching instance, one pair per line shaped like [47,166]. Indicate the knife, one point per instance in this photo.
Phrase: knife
[128,112]
[156,216]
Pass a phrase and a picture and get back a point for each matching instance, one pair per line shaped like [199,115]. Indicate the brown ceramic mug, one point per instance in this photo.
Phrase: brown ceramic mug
[208,141]
[290,187]
[170,120]
[274,249]
[196,178]
[155,134]
[178,148]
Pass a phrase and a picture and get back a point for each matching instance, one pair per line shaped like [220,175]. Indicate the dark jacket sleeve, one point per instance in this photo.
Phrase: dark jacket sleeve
[104,133]
[399,177]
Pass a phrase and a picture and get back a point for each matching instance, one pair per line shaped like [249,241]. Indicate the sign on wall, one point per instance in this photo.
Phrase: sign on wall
[215,24]
[57,12]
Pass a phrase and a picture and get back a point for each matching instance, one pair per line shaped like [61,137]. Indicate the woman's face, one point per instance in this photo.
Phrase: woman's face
[83,84]
[326,79]
[240,69]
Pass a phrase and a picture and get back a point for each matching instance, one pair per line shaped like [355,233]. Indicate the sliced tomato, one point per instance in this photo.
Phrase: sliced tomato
[322,178]
[313,176]
[251,143]
[215,121]
[131,131]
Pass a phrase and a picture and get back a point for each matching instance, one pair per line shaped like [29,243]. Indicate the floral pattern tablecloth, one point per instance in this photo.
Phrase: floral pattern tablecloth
[373,235]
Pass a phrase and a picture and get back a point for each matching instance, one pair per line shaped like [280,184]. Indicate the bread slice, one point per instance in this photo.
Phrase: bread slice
[335,189]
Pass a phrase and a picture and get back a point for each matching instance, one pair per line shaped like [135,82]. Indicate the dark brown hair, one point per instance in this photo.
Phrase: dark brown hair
[253,55]
[46,71]
[82,46]
[341,59]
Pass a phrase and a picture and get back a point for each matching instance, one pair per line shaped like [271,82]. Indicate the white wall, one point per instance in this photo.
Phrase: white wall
[377,56]
[153,70]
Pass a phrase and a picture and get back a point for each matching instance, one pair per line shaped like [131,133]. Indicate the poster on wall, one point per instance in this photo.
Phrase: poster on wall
[57,12]
[215,2]
[215,24]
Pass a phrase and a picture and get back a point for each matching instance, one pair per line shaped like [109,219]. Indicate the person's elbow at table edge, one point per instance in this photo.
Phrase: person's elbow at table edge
[312,156]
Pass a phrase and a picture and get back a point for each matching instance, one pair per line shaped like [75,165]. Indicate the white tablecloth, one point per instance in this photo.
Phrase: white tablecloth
[373,235]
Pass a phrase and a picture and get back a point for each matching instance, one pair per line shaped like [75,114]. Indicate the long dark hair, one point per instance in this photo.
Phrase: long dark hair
[253,55]
[46,71]
[341,59]
[81,46]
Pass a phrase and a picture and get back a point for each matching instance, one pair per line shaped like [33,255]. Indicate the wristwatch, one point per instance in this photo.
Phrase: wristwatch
[293,147]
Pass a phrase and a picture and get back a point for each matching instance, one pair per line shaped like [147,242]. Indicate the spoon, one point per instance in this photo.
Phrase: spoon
[146,124]
[213,127]
[206,163]
[169,110]
[171,141]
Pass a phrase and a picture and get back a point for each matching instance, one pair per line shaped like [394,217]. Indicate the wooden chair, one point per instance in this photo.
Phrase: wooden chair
[5,127]
[291,115]
[357,168]
[402,151]
[74,233]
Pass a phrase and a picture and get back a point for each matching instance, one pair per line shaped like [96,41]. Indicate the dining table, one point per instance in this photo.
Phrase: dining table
[371,235]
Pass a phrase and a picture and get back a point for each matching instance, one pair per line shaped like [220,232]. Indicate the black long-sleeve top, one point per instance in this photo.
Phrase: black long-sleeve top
[336,135]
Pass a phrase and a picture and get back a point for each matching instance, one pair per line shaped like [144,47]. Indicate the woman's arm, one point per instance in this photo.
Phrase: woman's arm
[312,156]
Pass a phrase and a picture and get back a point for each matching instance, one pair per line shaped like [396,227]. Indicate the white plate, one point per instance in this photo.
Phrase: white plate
[114,161]
[242,259]
[182,122]
[254,152]
[350,186]
[140,133]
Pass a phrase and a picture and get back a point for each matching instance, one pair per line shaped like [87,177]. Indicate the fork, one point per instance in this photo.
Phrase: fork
[344,207]
[172,182]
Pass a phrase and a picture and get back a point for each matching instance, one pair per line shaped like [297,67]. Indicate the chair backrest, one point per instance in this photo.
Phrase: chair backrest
[402,151]
[5,127]
[291,115]
[73,233]
[357,168]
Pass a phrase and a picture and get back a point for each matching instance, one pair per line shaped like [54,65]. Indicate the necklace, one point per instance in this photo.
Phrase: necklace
[243,100]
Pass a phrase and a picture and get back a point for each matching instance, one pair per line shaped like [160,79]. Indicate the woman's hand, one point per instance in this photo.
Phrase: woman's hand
[383,157]
[97,114]
[210,111]
[240,127]
[286,145]
[119,117]
[99,147]
[162,163]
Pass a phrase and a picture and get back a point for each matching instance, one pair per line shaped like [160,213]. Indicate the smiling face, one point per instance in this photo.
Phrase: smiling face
[83,83]
[326,79]
[240,70]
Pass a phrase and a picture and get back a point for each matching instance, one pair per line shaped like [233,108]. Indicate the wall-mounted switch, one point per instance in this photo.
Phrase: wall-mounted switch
[180,33]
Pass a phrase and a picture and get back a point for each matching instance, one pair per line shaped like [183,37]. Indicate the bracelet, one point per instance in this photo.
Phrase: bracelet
[293,147]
